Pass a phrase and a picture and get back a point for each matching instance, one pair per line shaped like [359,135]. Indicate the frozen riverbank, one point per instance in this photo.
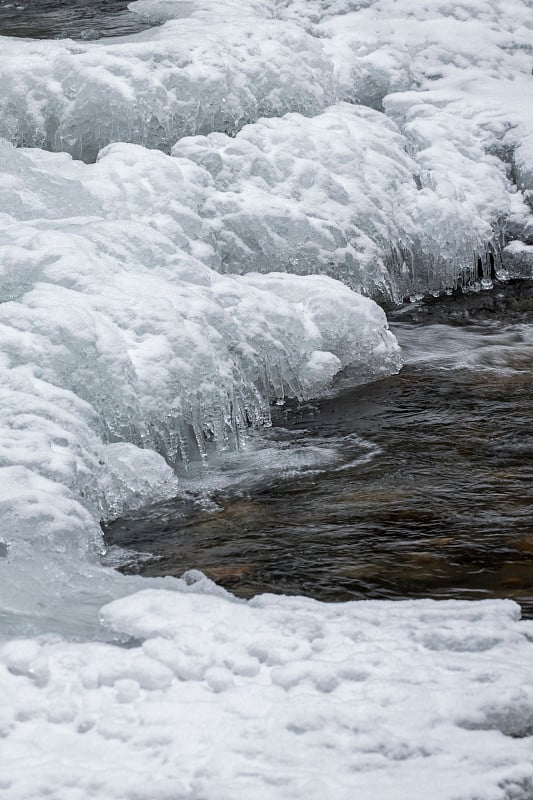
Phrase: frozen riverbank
[402,488]
[278,698]
[269,170]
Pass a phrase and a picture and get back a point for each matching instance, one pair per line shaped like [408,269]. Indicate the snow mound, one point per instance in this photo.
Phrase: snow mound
[453,77]
[339,193]
[277,697]
[216,67]
[456,78]
[385,46]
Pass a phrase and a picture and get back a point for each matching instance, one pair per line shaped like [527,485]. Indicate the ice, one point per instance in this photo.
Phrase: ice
[277,697]
[339,193]
[125,357]
[336,193]
[152,306]
[384,46]
[519,259]
[216,67]
[162,334]
[452,77]
[455,76]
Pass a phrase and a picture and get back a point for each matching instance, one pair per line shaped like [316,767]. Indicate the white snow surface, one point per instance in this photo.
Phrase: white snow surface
[153,302]
[457,165]
[273,698]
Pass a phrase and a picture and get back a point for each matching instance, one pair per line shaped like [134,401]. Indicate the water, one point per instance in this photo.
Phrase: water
[75,19]
[418,485]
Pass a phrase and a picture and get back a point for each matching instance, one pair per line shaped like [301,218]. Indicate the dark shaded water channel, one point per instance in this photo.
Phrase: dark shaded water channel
[415,486]
[74,19]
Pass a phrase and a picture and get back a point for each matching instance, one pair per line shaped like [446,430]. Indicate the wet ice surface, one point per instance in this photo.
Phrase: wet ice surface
[424,495]
[70,19]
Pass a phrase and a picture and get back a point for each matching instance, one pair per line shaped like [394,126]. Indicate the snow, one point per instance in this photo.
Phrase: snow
[336,193]
[451,76]
[276,697]
[339,193]
[154,302]
[216,68]
[455,77]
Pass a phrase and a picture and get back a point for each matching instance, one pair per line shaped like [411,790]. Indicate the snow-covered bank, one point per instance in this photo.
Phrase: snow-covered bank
[275,698]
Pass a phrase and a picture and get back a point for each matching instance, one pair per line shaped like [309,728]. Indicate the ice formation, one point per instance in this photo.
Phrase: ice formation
[216,67]
[455,77]
[124,354]
[338,193]
[455,165]
[245,169]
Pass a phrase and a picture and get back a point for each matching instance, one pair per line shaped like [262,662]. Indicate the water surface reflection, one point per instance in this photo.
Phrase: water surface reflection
[427,493]
[74,19]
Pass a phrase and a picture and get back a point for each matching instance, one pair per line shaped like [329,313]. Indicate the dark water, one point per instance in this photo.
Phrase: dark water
[416,486]
[75,19]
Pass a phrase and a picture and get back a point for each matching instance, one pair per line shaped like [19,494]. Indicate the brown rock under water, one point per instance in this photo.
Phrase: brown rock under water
[229,572]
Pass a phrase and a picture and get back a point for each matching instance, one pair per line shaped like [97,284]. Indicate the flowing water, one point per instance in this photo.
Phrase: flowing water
[74,19]
[414,486]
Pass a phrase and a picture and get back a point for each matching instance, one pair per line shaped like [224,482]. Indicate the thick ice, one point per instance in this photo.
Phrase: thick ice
[215,68]
[150,312]
[385,46]
[124,356]
[453,77]
[338,193]
[462,68]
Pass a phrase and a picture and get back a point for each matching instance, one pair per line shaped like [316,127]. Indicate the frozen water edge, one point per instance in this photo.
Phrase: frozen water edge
[118,330]
[217,67]
[125,354]
[277,697]
[456,163]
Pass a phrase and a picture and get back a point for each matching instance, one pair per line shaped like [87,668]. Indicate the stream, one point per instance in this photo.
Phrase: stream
[418,485]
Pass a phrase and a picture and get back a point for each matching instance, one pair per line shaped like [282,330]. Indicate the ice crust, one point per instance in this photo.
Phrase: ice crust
[154,302]
[336,193]
[218,67]
[453,77]
[274,698]
[339,193]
